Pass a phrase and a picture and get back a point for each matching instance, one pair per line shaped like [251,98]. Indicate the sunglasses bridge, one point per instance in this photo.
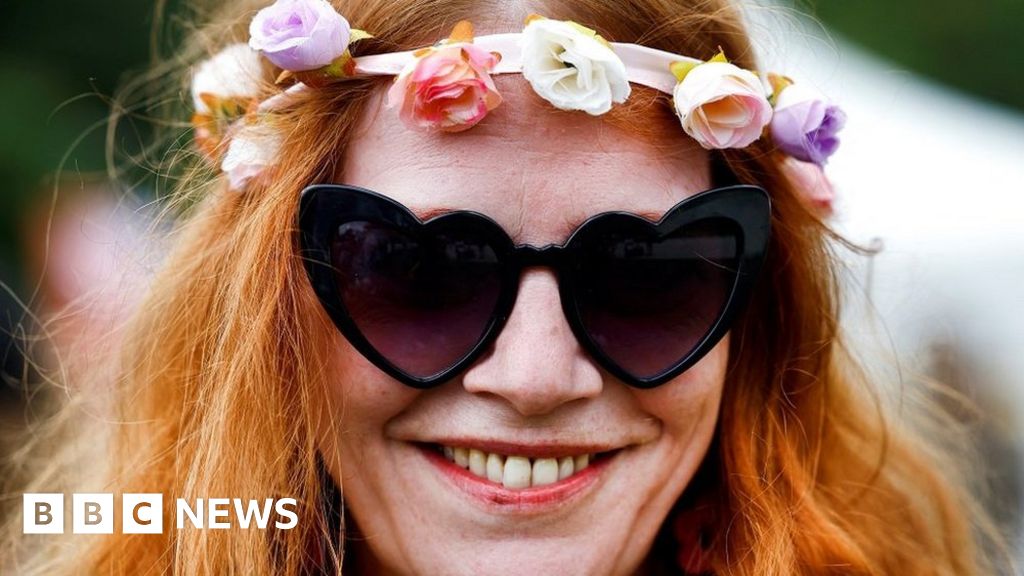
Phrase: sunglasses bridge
[528,255]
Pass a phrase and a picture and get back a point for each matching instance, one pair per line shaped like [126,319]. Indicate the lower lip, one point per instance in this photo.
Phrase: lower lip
[496,497]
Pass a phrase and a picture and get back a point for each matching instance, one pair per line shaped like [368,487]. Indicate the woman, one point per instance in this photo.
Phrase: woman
[439,399]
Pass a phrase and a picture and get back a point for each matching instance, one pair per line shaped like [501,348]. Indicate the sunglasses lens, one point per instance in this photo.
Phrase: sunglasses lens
[422,299]
[647,301]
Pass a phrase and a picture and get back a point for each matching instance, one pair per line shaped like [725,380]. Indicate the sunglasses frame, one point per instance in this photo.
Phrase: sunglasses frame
[322,207]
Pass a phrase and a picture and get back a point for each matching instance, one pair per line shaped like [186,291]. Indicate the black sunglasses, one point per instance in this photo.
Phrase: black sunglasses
[423,300]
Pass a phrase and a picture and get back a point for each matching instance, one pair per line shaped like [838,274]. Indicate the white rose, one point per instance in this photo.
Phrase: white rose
[722,105]
[233,73]
[572,68]
[253,149]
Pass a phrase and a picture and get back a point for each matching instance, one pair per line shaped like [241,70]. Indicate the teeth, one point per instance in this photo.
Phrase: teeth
[516,472]
[495,467]
[461,457]
[581,462]
[478,463]
[565,467]
[545,471]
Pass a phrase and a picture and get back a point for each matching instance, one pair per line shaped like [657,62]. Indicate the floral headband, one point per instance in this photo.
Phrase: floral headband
[449,86]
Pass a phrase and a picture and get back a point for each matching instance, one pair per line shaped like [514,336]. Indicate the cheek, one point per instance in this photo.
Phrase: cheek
[688,405]
[358,400]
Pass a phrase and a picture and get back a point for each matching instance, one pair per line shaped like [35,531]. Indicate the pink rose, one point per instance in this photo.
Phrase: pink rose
[811,183]
[299,35]
[449,88]
[721,105]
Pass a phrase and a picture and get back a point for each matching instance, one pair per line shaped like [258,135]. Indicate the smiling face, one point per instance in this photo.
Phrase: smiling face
[617,457]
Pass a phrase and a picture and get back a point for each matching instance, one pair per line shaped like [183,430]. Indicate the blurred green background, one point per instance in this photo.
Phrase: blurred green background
[977,47]
[61,60]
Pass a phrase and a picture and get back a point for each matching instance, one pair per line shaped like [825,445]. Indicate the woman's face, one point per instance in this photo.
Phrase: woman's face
[538,173]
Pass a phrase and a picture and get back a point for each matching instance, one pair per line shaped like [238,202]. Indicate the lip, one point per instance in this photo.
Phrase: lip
[533,450]
[496,498]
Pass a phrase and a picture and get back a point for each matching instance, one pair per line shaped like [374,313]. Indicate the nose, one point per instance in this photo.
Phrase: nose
[536,363]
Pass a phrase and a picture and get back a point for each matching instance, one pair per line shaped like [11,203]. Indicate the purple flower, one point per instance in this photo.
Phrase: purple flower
[299,35]
[805,125]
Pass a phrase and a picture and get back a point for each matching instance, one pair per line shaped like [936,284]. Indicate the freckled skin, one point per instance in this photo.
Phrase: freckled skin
[537,172]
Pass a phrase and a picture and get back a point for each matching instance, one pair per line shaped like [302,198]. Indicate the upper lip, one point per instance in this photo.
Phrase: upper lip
[539,449]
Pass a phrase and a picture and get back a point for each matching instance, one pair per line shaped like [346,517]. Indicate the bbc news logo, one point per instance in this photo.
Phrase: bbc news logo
[143,513]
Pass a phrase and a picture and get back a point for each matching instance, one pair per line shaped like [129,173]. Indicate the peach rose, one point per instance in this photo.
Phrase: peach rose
[721,105]
[447,88]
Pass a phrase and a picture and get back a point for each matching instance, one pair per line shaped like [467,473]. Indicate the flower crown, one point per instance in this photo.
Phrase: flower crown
[449,86]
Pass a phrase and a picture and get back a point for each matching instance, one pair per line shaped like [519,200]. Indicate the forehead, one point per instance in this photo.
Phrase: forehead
[536,170]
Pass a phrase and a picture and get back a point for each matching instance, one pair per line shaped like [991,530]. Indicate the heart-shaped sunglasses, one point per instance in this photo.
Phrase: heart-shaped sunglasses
[423,300]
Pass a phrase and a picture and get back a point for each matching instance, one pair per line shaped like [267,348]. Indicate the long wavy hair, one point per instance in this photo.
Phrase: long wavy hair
[214,385]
